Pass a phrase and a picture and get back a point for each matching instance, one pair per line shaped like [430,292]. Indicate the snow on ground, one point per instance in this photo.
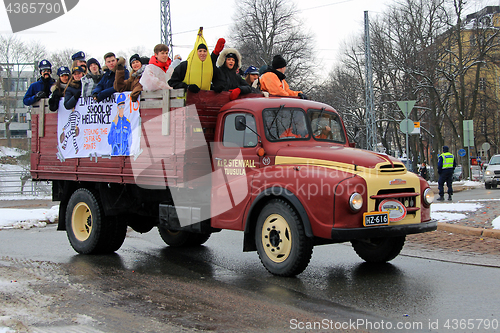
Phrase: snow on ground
[14,152]
[11,218]
[496,223]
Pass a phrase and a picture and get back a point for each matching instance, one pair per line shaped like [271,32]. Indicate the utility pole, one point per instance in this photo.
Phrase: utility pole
[166,26]
[371,130]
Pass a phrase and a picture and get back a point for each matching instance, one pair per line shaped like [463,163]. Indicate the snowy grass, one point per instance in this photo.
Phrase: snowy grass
[11,218]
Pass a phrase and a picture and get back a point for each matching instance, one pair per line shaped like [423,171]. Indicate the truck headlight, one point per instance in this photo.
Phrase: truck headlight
[428,196]
[488,173]
[356,202]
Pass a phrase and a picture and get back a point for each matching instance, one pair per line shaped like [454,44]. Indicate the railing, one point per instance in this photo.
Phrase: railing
[19,183]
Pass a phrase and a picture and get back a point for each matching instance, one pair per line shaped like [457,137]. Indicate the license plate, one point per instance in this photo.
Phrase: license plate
[375,218]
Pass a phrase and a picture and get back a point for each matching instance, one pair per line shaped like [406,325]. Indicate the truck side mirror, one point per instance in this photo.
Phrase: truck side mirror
[240,123]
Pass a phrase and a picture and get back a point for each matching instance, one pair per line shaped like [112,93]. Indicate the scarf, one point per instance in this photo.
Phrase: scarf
[138,73]
[163,65]
[94,77]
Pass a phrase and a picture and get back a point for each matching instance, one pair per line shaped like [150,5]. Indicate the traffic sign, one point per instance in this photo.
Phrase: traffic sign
[406,126]
[406,107]
[468,133]
[485,146]
[461,152]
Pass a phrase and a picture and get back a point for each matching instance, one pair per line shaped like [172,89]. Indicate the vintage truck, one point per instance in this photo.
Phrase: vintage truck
[282,170]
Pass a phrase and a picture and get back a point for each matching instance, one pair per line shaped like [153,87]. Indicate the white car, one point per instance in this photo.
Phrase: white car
[492,173]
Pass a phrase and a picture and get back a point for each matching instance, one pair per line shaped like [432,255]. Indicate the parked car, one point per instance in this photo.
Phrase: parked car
[458,173]
[492,173]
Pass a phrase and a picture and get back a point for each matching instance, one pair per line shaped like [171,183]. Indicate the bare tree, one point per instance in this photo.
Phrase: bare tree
[264,28]
[16,57]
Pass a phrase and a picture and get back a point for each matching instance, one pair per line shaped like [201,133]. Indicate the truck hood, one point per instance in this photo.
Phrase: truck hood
[344,157]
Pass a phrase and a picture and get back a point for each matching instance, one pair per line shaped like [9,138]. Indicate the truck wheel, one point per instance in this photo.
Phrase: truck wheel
[179,238]
[487,186]
[378,250]
[87,229]
[283,247]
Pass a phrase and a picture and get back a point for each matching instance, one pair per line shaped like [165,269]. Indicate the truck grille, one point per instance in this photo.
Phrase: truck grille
[407,196]
[390,168]
[497,172]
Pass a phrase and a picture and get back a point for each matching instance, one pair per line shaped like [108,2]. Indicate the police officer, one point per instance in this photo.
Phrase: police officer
[120,131]
[446,166]
[41,88]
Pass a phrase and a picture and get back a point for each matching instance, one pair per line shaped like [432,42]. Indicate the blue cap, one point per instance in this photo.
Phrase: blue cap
[44,64]
[252,70]
[78,69]
[78,56]
[121,99]
[63,70]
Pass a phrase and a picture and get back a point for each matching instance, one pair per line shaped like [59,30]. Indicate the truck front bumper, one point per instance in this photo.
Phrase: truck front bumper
[344,235]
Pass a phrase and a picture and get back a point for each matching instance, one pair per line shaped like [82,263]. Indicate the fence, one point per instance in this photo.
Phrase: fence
[19,183]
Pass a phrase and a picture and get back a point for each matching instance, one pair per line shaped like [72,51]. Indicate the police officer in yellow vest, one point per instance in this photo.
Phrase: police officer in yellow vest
[446,166]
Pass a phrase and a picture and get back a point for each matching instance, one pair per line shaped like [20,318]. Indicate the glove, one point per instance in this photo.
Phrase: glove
[39,95]
[234,94]
[193,88]
[302,96]
[219,46]
[121,63]
[218,89]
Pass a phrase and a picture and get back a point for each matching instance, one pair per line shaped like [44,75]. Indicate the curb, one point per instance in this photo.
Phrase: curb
[459,229]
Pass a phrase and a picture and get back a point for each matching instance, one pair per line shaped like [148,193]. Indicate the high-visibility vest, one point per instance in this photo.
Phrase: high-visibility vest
[447,160]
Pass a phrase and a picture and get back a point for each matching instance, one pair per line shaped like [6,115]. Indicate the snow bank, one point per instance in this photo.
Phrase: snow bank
[455,207]
[496,223]
[13,152]
[27,218]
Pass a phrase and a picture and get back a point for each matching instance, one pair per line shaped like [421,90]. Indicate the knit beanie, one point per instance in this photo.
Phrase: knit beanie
[93,61]
[133,58]
[278,62]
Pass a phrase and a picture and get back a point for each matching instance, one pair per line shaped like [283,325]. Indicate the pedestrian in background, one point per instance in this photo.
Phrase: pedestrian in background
[446,167]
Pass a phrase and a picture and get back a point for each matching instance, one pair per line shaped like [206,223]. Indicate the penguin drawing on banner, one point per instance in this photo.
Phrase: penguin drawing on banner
[72,130]
[120,131]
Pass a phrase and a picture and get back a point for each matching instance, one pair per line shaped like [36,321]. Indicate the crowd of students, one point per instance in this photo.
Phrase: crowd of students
[221,71]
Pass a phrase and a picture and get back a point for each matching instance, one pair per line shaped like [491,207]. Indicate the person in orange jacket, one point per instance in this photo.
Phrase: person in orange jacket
[273,80]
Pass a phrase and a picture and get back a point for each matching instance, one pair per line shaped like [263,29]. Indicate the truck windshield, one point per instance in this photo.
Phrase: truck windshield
[285,124]
[326,126]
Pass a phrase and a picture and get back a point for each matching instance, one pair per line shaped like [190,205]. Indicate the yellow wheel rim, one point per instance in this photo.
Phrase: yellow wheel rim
[81,221]
[276,238]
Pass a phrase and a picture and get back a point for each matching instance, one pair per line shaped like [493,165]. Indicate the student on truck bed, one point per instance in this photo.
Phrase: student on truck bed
[59,87]
[104,88]
[156,73]
[92,78]
[79,60]
[41,88]
[73,91]
[273,80]
[132,84]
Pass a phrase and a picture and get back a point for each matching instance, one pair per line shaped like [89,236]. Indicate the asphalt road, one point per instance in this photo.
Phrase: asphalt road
[148,287]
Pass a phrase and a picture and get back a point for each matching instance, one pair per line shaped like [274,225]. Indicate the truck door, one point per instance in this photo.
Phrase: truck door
[235,161]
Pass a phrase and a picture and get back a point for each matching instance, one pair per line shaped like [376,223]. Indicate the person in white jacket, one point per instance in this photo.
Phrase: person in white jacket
[157,73]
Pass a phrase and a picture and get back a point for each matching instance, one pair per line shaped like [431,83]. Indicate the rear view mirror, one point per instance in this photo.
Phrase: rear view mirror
[240,123]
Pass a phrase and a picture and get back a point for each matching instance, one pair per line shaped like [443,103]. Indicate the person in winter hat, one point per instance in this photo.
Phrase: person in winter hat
[273,80]
[58,88]
[41,88]
[195,73]
[79,60]
[132,84]
[156,73]
[73,91]
[92,78]
[104,88]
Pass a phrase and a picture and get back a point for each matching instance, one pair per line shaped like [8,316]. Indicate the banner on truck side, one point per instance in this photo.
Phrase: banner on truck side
[107,128]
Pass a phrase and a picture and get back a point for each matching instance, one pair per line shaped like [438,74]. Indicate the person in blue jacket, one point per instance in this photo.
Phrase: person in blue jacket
[120,131]
[41,88]
[104,88]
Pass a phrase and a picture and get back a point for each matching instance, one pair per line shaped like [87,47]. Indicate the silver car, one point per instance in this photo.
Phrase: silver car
[492,173]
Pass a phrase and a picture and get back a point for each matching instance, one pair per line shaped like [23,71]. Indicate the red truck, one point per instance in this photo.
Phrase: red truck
[282,170]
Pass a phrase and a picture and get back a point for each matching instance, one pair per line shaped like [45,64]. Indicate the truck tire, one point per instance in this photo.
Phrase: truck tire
[487,186]
[282,245]
[379,250]
[179,238]
[88,230]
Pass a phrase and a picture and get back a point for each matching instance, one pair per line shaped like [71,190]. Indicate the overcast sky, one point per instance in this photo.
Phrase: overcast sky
[98,26]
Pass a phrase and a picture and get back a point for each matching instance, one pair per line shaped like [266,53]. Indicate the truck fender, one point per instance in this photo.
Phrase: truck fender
[259,202]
